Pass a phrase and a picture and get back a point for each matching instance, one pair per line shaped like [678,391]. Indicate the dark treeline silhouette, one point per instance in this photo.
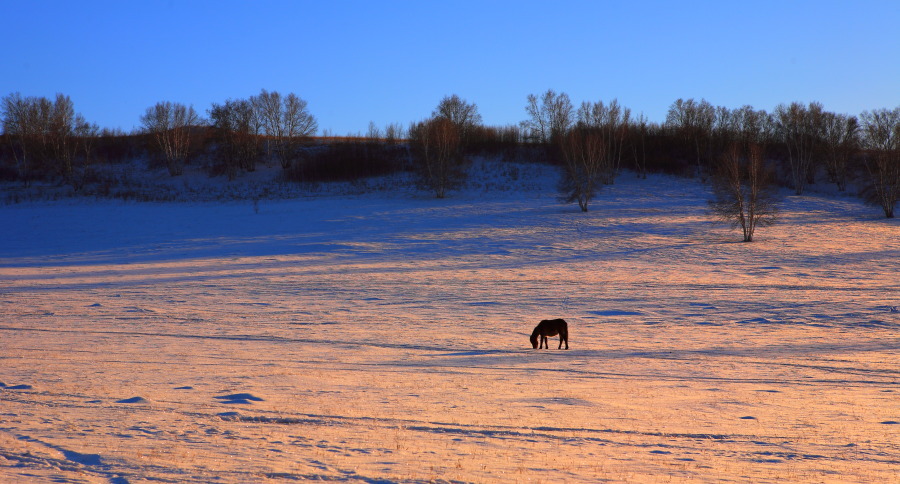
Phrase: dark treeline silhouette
[348,159]
[794,145]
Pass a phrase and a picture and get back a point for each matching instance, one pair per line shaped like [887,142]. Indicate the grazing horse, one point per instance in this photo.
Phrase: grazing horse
[550,327]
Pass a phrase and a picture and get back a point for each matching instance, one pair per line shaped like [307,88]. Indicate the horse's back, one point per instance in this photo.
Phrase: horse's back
[550,327]
[553,326]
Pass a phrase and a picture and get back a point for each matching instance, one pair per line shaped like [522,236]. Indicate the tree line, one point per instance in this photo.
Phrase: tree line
[741,152]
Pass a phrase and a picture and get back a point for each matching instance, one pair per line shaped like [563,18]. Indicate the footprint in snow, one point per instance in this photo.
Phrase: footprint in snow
[133,400]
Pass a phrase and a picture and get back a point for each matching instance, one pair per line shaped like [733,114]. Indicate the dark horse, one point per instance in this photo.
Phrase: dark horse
[550,327]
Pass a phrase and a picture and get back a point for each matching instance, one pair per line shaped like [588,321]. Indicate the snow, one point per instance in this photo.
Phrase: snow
[383,337]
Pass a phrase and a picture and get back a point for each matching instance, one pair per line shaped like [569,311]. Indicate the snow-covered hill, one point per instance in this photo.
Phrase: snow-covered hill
[382,336]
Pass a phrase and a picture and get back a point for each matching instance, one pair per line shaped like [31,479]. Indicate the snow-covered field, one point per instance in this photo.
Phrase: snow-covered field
[384,338]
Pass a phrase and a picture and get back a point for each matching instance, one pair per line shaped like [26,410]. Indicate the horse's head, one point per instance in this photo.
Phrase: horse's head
[534,340]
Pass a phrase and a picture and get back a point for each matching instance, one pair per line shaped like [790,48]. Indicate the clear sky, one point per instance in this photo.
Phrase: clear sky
[392,61]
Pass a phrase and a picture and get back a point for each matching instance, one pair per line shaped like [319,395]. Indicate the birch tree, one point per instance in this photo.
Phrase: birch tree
[285,121]
[583,151]
[21,117]
[437,146]
[171,127]
[609,122]
[549,118]
[44,135]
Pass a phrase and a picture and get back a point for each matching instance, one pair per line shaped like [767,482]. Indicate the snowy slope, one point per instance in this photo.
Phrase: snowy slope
[384,338]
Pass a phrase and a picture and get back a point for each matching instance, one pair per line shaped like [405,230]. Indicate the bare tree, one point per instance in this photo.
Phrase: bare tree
[237,142]
[437,145]
[724,128]
[171,126]
[44,135]
[611,123]
[841,141]
[267,118]
[60,130]
[21,123]
[881,129]
[537,127]
[583,150]
[800,128]
[693,121]
[374,132]
[815,127]
[561,115]
[741,189]
[462,114]
[393,132]
[285,121]
[297,118]
[549,119]
[86,135]
[639,145]
[299,124]
[755,126]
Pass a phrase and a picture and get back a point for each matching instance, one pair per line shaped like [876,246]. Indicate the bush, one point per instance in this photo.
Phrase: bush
[347,161]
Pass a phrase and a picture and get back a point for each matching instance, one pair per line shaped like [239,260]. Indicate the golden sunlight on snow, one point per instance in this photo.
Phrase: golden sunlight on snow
[694,357]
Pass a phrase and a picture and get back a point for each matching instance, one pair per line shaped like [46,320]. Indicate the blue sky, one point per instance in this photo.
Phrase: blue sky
[392,61]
